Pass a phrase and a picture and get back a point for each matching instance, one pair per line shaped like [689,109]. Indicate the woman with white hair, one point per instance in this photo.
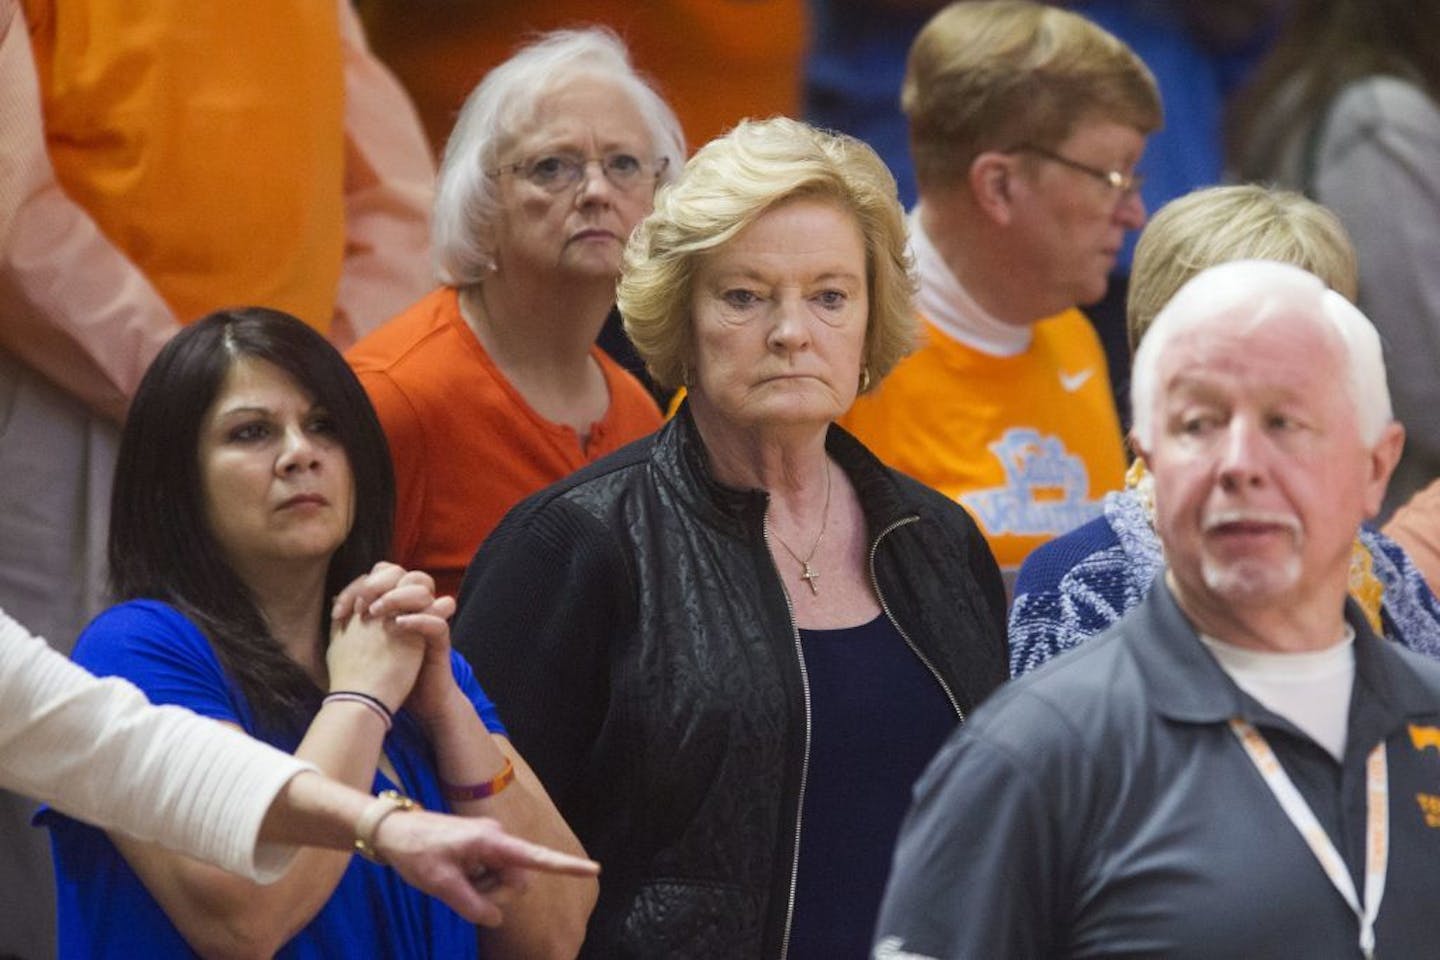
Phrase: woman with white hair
[491,387]
[730,650]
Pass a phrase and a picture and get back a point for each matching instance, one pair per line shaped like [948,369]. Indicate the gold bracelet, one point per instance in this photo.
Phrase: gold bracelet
[386,803]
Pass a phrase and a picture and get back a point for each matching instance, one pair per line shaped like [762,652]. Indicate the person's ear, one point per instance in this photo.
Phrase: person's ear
[992,183]
[1138,450]
[1384,455]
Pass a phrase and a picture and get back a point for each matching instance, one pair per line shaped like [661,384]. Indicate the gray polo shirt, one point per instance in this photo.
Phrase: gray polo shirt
[1101,807]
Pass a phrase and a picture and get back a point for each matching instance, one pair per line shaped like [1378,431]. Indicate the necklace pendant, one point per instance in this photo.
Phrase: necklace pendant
[809,576]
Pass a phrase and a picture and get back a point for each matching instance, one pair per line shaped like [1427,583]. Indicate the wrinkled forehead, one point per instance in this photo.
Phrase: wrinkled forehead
[1270,356]
[574,103]
[1274,330]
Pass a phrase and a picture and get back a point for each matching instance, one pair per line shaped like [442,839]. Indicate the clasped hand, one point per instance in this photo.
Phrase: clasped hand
[390,638]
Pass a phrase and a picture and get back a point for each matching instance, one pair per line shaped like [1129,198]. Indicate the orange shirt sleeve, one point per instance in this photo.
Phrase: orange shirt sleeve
[1416,527]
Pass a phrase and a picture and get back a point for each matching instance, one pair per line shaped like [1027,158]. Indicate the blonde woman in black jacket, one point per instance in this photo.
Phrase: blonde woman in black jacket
[730,648]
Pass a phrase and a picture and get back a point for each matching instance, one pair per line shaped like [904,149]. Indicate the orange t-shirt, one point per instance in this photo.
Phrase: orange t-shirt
[466,445]
[216,167]
[1029,444]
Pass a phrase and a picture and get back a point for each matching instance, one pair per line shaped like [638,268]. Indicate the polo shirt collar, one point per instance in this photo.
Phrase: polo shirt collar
[1188,685]
[1185,681]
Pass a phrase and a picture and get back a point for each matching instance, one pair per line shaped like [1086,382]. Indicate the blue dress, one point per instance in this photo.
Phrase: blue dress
[104,909]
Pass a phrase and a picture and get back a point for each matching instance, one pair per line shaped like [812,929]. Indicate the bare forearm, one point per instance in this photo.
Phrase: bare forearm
[548,919]
[344,744]
[222,914]
[467,754]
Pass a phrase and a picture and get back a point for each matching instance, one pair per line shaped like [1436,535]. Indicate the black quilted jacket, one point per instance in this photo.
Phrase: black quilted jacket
[632,629]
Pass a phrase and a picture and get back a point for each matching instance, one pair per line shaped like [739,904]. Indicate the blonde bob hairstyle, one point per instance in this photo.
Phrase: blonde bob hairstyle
[725,187]
[1244,222]
[988,75]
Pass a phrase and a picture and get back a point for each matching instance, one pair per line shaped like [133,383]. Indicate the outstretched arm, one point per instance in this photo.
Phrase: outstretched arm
[99,751]
[209,791]
[466,861]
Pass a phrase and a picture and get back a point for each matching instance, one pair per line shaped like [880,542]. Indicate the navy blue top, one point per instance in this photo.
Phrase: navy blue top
[877,717]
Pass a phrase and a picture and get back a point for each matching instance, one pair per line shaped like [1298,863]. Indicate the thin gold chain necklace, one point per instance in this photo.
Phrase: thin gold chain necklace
[807,573]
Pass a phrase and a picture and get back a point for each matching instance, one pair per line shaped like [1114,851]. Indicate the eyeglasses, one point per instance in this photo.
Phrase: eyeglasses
[1124,183]
[561,171]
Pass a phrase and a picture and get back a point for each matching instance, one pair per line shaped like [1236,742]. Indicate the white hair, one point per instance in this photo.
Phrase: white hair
[1252,292]
[466,198]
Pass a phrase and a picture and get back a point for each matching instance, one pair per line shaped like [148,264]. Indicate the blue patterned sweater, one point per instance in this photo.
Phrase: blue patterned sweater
[1077,585]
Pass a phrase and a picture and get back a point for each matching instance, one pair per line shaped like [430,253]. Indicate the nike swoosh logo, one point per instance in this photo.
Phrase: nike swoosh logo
[1074,381]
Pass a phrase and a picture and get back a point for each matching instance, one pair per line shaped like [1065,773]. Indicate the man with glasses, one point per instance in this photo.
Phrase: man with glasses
[1026,124]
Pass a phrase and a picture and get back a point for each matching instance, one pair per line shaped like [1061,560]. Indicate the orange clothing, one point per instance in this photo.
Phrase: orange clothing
[1029,444]
[161,163]
[1416,527]
[715,61]
[148,172]
[466,445]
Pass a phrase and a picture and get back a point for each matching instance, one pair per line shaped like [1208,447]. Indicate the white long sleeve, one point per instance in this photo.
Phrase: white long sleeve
[99,751]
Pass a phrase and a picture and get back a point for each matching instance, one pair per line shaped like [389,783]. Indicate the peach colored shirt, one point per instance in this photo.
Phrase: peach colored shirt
[1029,444]
[1416,527]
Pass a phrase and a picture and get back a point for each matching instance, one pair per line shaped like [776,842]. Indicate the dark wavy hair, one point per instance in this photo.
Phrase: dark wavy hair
[161,546]
[1324,46]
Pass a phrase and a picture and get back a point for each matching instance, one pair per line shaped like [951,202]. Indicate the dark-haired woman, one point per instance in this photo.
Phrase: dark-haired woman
[253,483]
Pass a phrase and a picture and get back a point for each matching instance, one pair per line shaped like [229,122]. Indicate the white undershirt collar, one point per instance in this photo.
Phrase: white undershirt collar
[1310,689]
[949,306]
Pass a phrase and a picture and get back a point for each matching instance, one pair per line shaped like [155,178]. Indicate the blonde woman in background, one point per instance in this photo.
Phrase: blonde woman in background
[1080,584]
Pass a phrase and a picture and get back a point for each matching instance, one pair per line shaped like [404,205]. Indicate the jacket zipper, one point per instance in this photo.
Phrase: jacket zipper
[805,758]
[805,687]
[875,582]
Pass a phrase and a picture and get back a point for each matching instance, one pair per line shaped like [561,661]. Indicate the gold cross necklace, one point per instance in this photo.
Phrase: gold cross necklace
[807,573]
